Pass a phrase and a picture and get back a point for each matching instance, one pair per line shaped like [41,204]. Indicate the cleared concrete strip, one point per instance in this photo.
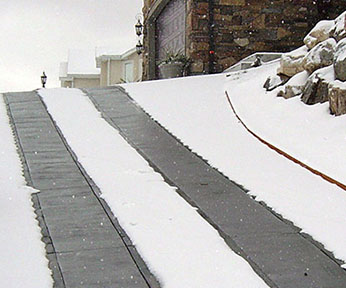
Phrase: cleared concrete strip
[273,247]
[85,244]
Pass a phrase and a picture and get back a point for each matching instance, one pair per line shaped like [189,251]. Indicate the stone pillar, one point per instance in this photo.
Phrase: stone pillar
[197,35]
[145,11]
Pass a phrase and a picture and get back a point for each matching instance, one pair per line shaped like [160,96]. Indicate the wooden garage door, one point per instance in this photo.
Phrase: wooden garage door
[170,29]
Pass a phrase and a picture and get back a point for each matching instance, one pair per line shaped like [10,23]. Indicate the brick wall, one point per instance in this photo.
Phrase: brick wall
[242,27]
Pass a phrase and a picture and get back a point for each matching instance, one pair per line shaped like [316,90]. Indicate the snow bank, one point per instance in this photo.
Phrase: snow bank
[309,133]
[23,262]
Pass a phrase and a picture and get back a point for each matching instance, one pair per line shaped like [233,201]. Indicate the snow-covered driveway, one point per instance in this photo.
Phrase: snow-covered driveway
[196,111]
[178,245]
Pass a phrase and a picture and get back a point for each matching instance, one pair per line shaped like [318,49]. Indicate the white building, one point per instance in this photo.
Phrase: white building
[80,70]
[118,68]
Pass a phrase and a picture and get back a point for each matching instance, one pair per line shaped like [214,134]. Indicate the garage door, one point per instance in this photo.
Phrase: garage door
[170,29]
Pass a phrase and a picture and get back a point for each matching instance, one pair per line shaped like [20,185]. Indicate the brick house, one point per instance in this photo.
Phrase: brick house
[215,34]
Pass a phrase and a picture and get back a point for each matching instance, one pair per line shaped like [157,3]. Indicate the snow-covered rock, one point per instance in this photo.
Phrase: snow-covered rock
[316,87]
[320,56]
[340,60]
[294,86]
[275,81]
[340,27]
[292,63]
[319,33]
[323,57]
[337,97]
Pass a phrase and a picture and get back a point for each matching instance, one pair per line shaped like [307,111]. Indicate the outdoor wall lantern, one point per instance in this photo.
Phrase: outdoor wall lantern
[44,79]
[139,32]
[139,27]
[139,47]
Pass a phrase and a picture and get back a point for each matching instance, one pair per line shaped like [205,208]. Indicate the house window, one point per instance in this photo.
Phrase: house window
[128,72]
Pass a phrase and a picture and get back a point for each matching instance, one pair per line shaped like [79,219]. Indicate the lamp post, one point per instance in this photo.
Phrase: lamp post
[44,80]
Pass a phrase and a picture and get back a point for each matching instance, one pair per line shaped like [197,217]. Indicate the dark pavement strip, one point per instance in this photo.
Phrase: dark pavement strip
[275,248]
[85,244]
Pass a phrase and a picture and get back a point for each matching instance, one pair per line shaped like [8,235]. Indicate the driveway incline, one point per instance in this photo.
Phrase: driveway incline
[86,246]
[276,249]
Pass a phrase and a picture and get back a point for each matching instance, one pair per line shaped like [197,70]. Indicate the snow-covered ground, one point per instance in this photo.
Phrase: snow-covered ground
[196,111]
[307,132]
[178,245]
[23,262]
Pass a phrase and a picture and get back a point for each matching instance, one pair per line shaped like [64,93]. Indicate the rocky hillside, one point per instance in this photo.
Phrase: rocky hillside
[316,71]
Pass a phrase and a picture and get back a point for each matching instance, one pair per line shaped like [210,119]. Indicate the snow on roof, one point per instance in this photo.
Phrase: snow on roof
[63,69]
[81,62]
[103,51]
[103,54]
[112,52]
[129,52]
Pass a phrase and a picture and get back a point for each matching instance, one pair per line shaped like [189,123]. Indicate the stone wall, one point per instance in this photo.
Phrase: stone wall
[242,27]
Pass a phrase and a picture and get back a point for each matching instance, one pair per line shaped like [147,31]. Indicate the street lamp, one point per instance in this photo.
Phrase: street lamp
[139,47]
[44,80]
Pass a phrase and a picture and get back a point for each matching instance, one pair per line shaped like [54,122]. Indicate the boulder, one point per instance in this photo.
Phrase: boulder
[340,27]
[337,97]
[316,87]
[340,60]
[275,81]
[294,86]
[321,55]
[321,32]
[292,63]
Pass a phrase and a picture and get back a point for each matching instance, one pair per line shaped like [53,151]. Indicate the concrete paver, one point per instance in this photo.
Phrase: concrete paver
[86,247]
[275,249]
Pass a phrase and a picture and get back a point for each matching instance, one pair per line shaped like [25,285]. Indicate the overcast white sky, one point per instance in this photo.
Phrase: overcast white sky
[36,35]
